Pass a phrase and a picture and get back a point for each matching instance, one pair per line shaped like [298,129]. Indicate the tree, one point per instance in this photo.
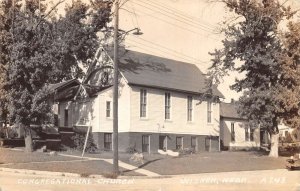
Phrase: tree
[288,91]
[6,14]
[253,46]
[47,48]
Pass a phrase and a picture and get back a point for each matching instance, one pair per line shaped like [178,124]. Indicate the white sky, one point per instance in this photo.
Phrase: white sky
[178,29]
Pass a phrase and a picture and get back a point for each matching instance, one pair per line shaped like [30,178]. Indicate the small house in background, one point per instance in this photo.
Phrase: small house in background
[235,132]
[288,134]
[160,105]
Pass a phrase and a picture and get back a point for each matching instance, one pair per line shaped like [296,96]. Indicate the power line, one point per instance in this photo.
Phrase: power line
[176,52]
[178,55]
[184,18]
[178,12]
[143,48]
[184,28]
[148,50]
[147,7]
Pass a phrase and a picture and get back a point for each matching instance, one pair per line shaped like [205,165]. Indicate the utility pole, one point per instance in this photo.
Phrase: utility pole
[116,92]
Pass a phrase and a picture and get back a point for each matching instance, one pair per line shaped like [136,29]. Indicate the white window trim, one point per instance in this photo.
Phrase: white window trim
[110,110]
[211,112]
[192,113]
[146,117]
[149,139]
[181,140]
[170,119]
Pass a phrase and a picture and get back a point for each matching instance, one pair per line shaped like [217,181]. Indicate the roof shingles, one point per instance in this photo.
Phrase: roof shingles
[153,71]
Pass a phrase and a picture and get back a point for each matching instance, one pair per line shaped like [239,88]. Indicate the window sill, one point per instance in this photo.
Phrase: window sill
[190,122]
[109,118]
[210,124]
[144,119]
[168,121]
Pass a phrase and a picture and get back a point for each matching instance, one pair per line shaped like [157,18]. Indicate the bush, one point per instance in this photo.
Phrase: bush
[12,132]
[131,150]
[79,139]
[186,151]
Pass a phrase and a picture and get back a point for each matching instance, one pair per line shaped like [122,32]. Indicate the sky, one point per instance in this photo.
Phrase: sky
[185,30]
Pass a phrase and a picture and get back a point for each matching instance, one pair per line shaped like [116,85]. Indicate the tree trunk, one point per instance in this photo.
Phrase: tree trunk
[274,145]
[28,140]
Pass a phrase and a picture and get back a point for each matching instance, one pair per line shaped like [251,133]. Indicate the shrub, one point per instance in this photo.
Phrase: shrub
[79,139]
[131,150]
[12,132]
[186,151]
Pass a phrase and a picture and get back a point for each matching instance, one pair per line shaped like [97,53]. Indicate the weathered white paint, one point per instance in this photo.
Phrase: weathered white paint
[129,112]
[105,124]
[239,126]
[155,120]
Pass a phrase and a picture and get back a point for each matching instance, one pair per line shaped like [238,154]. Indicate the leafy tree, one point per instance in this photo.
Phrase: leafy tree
[6,14]
[253,46]
[47,48]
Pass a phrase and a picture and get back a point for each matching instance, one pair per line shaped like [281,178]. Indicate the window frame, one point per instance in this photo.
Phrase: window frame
[66,118]
[247,134]
[177,143]
[251,137]
[167,106]
[144,144]
[189,108]
[194,146]
[107,141]
[108,110]
[232,132]
[143,103]
[209,111]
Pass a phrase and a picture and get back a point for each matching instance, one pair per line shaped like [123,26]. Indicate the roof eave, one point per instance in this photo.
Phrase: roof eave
[170,89]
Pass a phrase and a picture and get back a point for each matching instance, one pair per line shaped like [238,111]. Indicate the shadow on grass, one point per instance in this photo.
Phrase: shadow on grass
[143,165]
[260,153]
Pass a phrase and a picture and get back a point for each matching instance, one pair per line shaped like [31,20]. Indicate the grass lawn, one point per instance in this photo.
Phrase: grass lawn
[83,168]
[11,156]
[205,162]
[56,163]
[213,162]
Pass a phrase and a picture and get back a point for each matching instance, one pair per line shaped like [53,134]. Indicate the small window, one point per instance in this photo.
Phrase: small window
[232,132]
[146,143]
[108,141]
[209,112]
[194,143]
[108,110]
[251,134]
[179,143]
[104,78]
[167,106]
[247,137]
[189,108]
[143,103]
[66,118]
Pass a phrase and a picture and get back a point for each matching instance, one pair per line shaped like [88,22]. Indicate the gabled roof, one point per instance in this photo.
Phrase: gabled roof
[153,71]
[229,110]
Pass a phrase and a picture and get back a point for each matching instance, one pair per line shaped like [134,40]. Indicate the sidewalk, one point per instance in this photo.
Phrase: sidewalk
[121,164]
